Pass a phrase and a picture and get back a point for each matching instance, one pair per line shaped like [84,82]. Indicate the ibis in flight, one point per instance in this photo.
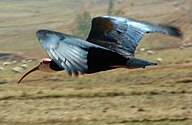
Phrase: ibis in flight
[111,44]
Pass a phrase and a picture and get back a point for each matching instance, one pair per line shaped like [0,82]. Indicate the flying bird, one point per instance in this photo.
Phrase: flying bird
[111,44]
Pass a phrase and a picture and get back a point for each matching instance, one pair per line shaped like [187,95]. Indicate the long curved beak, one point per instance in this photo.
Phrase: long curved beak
[32,70]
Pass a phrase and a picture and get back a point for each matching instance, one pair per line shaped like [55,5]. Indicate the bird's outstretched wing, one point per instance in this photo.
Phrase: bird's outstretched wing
[123,34]
[68,52]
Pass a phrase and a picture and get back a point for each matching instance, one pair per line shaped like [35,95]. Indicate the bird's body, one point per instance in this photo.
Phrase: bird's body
[111,44]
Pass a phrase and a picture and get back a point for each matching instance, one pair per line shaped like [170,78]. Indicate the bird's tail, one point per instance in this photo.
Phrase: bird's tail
[138,63]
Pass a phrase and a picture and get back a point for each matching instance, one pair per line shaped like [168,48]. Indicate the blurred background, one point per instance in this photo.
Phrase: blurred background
[159,95]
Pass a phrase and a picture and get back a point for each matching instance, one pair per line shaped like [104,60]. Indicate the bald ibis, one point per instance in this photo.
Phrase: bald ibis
[111,44]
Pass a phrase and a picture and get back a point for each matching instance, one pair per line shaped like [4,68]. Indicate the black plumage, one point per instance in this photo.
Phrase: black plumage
[123,34]
[111,43]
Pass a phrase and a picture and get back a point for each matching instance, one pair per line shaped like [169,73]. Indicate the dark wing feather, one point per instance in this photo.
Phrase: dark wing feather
[66,56]
[69,52]
[123,34]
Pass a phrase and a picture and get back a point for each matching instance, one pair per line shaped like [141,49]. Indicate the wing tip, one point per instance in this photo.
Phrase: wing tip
[174,31]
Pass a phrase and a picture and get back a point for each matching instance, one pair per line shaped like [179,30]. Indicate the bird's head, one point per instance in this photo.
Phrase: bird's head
[44,65]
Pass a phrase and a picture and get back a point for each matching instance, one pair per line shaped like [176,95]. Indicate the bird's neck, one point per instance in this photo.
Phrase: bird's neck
[54,67]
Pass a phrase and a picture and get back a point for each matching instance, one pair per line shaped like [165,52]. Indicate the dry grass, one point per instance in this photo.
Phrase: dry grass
[155,95]
[159,95]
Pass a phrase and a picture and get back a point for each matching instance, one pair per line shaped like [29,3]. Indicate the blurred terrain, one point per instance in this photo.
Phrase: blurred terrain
[159,95]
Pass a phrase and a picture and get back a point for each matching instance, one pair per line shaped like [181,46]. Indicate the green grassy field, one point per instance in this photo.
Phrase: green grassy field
[159,95]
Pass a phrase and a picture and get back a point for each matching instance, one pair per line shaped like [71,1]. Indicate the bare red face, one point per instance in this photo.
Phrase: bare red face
[45,61]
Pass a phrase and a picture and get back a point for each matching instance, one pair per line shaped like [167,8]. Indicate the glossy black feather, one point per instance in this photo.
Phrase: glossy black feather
[69,53]
[111,43]
[55,67]
[101,60]
[123,34]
